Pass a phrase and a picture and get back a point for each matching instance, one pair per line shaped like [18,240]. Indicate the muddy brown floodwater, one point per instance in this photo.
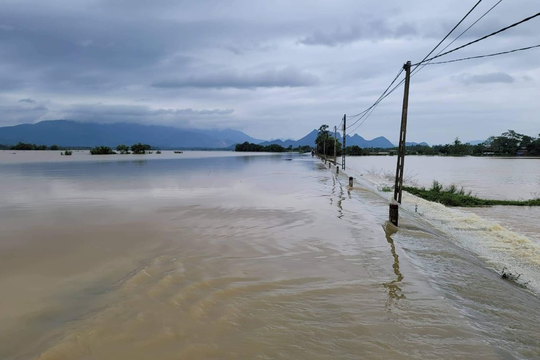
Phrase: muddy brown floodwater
[228,256]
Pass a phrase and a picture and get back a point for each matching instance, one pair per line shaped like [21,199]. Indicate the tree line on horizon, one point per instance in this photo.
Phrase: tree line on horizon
[509,143]
[137,149]
[275,148]
[29,146]
[98,150]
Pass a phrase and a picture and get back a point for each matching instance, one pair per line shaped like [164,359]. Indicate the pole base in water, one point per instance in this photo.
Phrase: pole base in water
[351,181]
[394,214]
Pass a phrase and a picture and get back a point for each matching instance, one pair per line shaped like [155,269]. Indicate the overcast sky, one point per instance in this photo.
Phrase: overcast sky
[274,69]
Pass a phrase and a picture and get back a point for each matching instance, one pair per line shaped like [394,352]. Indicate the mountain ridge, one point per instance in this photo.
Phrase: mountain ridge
[67,133]
[73,133]
[309,139]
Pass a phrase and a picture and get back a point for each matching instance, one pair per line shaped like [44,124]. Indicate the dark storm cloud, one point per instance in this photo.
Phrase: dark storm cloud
[104,113]
[28,100]
[374,30]
[102,110]
[13,114]
[286,77]
[498,77]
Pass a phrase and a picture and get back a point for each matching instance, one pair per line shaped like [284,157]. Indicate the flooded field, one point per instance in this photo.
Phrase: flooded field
[228,256]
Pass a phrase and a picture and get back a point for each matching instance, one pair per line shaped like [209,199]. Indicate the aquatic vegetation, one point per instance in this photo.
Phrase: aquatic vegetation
[387,189]
[67,153]
[452,196]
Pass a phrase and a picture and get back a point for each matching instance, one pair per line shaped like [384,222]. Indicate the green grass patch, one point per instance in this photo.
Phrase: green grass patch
[452,196]
[387,189]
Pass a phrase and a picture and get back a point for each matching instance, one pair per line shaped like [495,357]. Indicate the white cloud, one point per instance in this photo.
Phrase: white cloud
[496,77]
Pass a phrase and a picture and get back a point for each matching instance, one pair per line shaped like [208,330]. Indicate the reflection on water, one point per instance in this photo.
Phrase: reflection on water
[234,257]
[394,291]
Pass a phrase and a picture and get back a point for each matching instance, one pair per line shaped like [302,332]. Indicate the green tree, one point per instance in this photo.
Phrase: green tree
[23,146]
[250,147]
[303,149]
[140,148]
[54,147]
[123,149]
[354,150]
[534,146]
[102,150]
[325,142]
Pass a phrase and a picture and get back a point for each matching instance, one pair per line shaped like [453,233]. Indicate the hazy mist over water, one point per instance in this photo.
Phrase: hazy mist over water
[222,255]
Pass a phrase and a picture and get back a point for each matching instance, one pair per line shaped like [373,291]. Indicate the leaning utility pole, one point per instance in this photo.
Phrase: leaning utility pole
[335,145]
[344,139]
[398,187]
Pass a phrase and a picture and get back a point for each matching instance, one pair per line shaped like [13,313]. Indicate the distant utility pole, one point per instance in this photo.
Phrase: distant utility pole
[344,139]
[398,187]
[335,145]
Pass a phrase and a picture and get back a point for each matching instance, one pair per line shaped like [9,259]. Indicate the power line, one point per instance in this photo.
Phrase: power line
[467,29]
[451,31]
[450,61]
[483,56]
[460,35]
[364,115]
[367,116]
[378,100]
[480,39]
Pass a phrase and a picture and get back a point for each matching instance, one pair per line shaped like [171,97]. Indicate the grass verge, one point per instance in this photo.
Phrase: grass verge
[452,196]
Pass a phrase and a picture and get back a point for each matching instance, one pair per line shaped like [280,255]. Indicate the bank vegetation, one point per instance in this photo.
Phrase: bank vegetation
[454,196]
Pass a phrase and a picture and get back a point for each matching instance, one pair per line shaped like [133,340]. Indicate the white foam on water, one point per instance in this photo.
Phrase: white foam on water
[498,246]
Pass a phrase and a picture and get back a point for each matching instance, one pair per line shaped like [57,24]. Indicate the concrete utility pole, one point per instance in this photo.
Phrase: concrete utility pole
[335,145]
[344,140]
[398,187]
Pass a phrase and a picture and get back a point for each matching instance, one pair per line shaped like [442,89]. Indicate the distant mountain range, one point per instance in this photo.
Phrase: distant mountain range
[72,133]
[68,133]
[309,139]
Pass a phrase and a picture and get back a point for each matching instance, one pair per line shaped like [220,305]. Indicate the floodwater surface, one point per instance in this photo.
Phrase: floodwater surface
[237,256]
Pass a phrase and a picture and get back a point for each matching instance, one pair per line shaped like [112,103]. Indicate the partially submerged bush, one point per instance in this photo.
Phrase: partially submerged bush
[123,149]
[102,150]
[140,148]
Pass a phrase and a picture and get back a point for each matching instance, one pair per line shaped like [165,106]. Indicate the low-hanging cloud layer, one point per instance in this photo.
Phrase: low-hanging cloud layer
[270,68]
